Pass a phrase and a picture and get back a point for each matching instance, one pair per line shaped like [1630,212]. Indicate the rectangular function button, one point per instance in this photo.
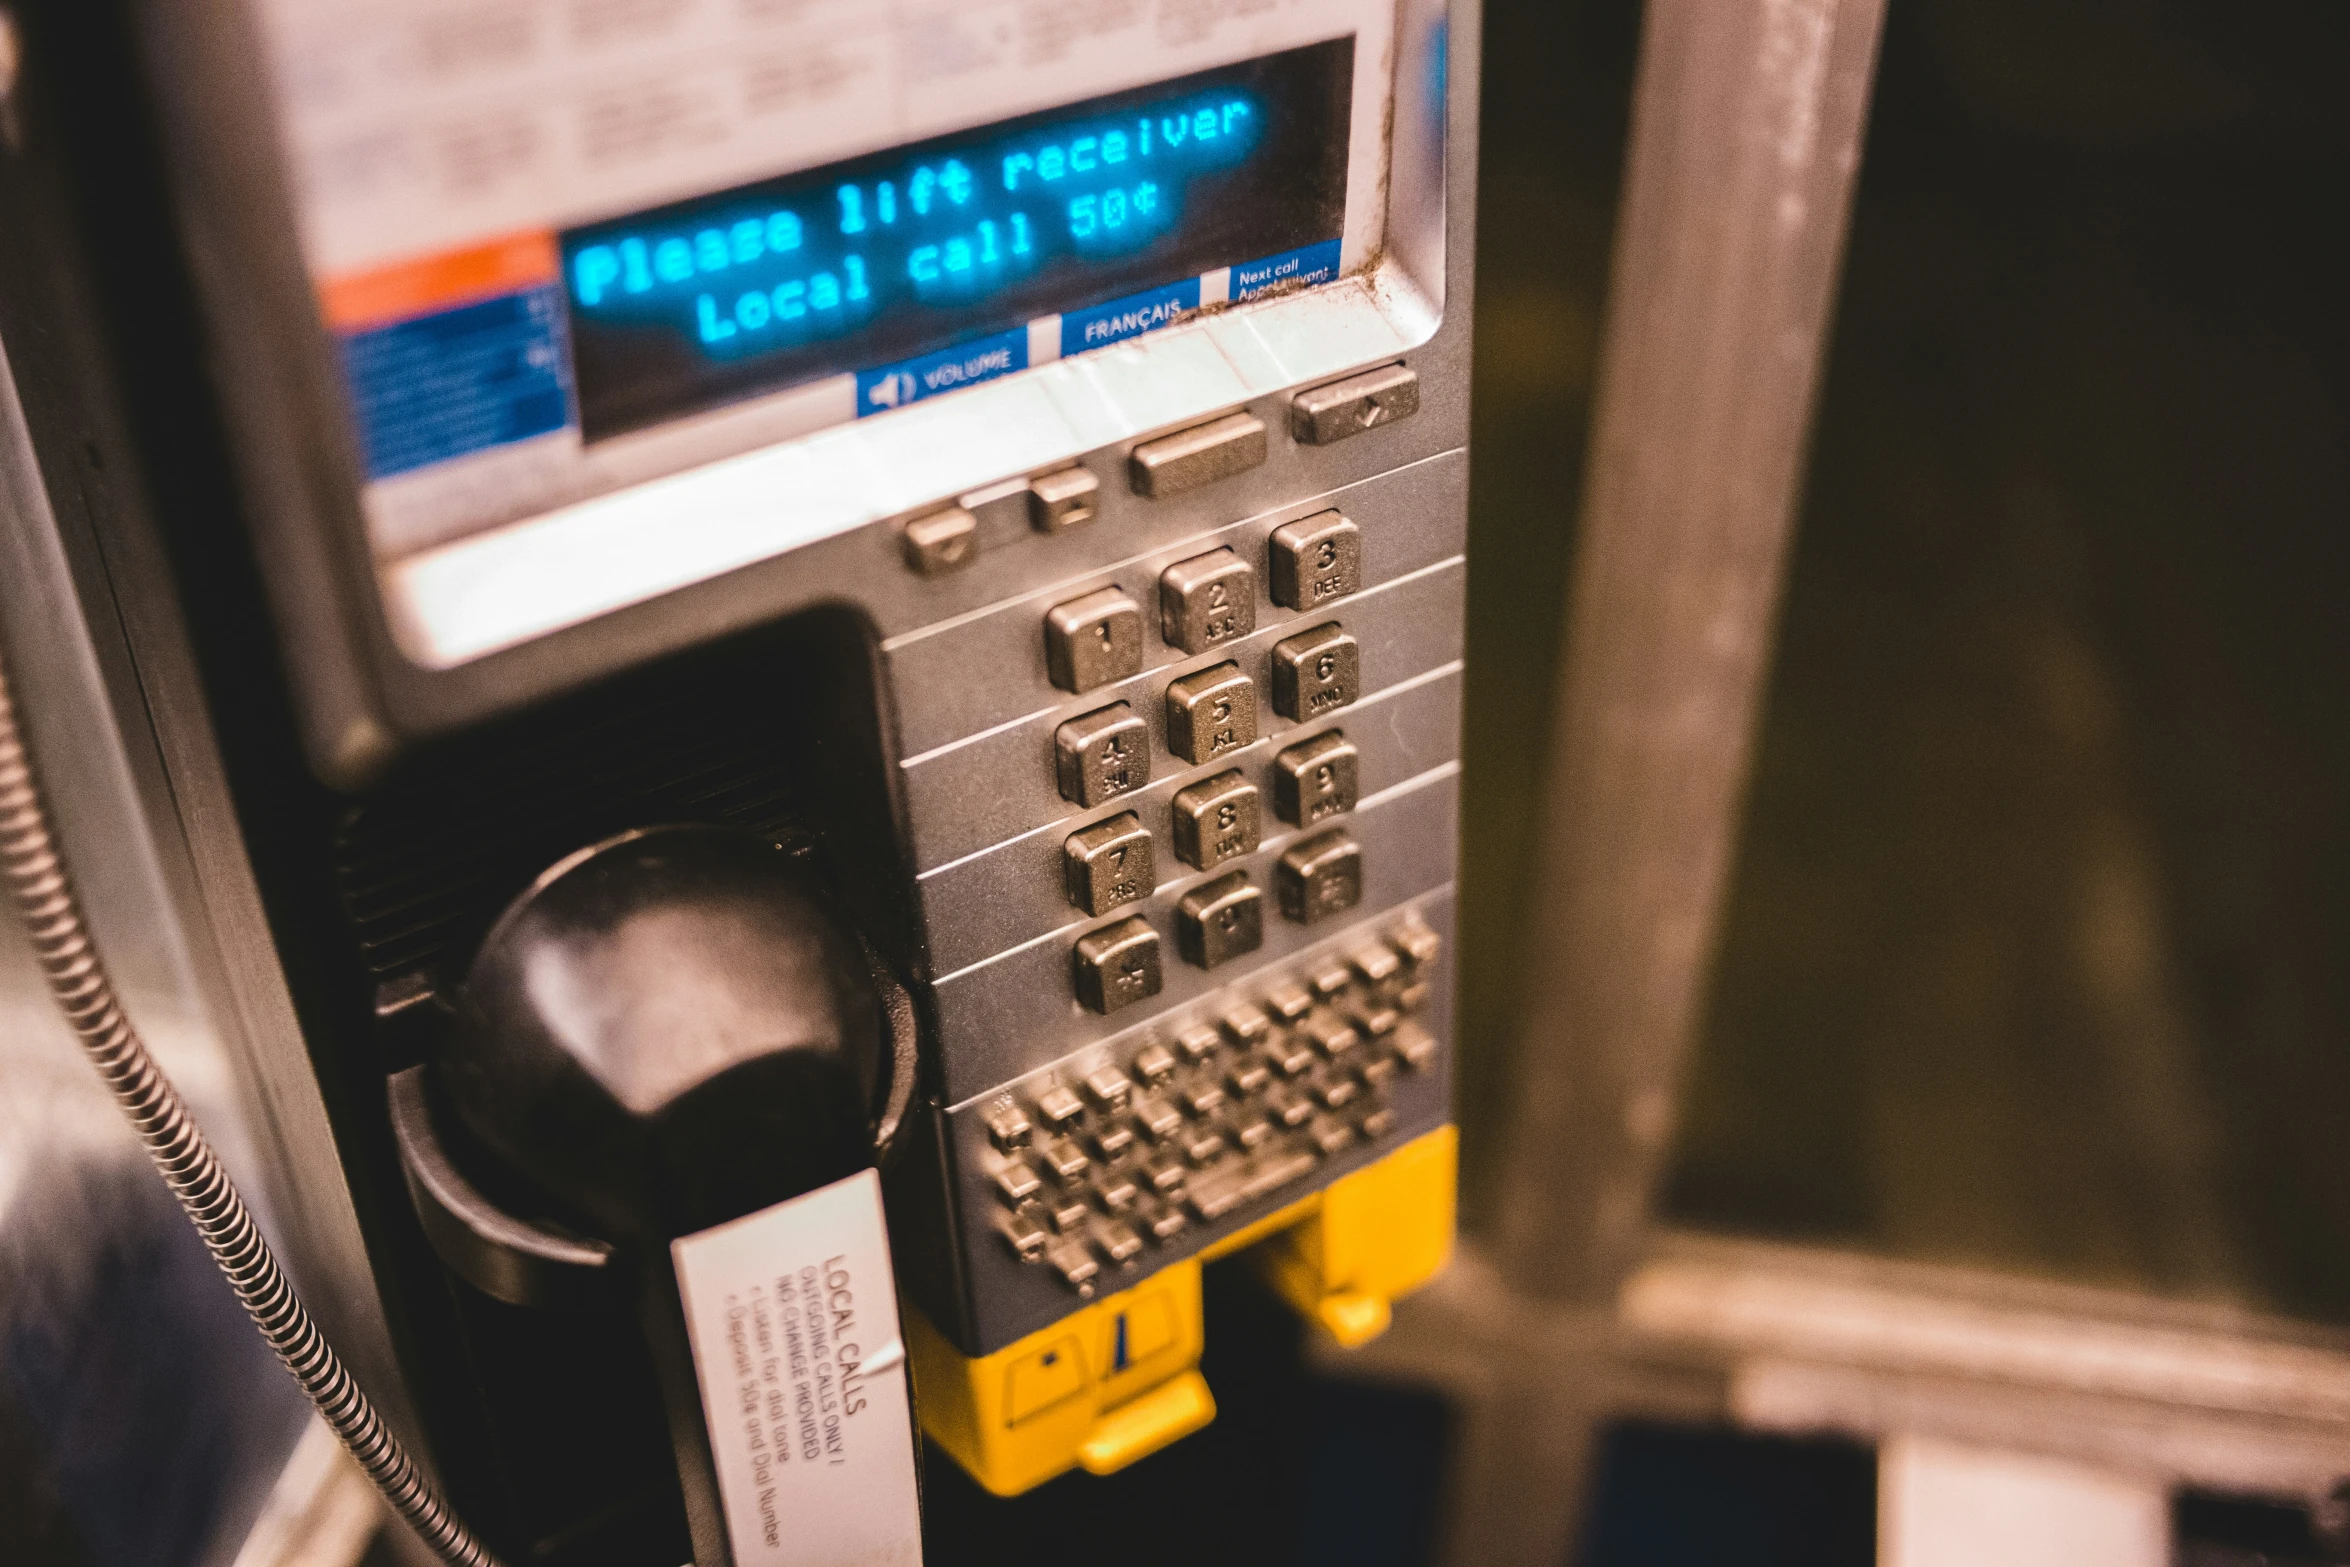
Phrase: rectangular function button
[1091,641]
[1290,1000]
[1246,1022]
[1211,714]
[1219,921]
[1018,1182]
[1202,1098]
[1321,877]
[1118,965]
[1074,1266]
[1207,601]
[1376,964]
[1331,1137]
[1025,1230]
[1108,1087]
[1065,1159]
[1214,1197]
[1315,560]
[1060,501]
[1108,864]
[1289,1055]
[1316,672]
[1007,1127]
[1416,941]
[1101,755]
[941,542]
[1197,1043]
[1316,779]
[1216,820]
[1200,455]
[1117,1192]
[1330,1033]
[1362,402]
[1335,1092]
[1157,1118]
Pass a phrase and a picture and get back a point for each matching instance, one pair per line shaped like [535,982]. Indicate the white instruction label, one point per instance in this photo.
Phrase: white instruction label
[793,1317]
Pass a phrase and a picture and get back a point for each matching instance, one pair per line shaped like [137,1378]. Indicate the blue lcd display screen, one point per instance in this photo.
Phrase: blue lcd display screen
[921,255]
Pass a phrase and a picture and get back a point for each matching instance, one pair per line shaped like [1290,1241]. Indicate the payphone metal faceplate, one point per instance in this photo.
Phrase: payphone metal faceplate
[1112,369]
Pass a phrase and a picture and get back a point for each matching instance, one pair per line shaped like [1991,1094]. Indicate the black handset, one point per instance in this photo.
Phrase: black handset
[676,1038]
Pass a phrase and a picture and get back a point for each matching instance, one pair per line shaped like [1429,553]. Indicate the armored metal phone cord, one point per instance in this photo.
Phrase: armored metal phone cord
[44,894]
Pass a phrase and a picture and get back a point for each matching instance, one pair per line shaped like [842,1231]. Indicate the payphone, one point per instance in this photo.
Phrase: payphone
[973,495]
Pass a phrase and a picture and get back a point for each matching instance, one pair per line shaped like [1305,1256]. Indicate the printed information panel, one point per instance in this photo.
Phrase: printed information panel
[794,1322]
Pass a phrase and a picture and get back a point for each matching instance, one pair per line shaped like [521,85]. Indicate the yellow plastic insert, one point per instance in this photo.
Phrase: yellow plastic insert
[1103,1386]
[1382,1232]
[1118,1380]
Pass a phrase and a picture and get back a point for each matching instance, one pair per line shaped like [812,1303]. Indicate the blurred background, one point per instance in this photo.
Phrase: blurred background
[2034,954]
[2030,999]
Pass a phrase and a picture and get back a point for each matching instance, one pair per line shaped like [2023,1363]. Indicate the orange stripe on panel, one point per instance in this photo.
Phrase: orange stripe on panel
[359,300]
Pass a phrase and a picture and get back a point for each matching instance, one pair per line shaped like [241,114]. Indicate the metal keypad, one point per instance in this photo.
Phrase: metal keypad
[1101,755]
[1211,714]
[1108,864]
[1118,966]
[1316,779]
[1315,561]
[1316,672]
[1185,978]
[1250,1111]
[1093,641]
[1216,819]
[1207,601]
[1220,920]
[1320,877]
